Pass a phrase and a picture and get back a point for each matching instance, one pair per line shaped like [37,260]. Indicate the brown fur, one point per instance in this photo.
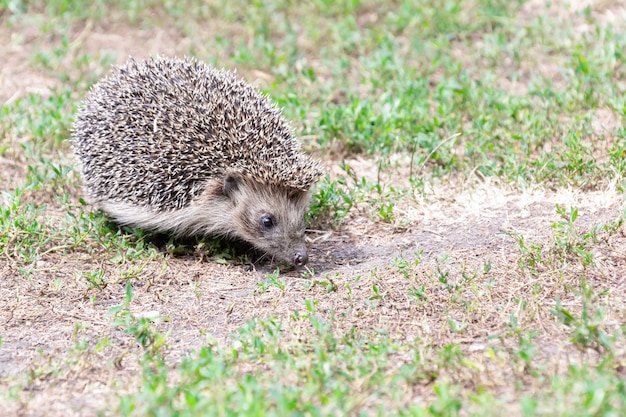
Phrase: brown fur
[233,208]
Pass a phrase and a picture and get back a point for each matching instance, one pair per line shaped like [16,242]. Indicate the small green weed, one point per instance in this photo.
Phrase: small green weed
[273,280]
[531,256]
[587,329]
[568,241]
[141,328]
[330,200]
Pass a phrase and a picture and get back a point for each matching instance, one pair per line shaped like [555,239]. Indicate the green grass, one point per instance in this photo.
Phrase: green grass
[324,372]
[429,93]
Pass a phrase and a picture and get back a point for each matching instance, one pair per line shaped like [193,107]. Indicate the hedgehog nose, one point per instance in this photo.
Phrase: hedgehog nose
[300,258]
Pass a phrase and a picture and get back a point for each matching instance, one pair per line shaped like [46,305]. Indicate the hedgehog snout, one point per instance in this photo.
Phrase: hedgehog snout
[300,258]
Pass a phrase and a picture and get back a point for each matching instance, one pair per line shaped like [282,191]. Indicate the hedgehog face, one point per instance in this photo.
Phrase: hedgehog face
[270,218]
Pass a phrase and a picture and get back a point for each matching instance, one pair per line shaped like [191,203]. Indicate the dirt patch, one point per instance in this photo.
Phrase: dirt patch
[481,217]
[19,77]
[605,11]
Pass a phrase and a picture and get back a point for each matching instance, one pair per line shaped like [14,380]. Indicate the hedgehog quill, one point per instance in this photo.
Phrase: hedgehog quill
[176,146]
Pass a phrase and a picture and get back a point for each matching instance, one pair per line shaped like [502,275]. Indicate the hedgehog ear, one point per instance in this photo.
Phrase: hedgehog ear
[297,194]
[231,185]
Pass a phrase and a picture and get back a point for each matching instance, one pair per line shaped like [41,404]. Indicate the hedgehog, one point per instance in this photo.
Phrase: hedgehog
[176,146]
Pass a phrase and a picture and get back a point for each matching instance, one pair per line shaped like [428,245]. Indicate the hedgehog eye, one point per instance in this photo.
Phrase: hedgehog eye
[268,222]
